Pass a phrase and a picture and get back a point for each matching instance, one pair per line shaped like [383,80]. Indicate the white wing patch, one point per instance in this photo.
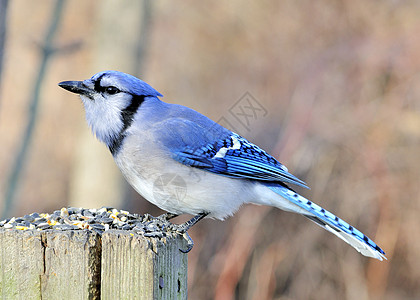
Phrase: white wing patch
[222,151]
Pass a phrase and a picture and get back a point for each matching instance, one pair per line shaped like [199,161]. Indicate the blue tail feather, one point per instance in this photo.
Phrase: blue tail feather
[332,223]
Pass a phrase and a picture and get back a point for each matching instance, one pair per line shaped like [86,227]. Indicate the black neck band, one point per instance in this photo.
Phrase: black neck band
[127,117]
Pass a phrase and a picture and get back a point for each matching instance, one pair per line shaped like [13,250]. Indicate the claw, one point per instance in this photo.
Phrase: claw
[183,228]
[190,242]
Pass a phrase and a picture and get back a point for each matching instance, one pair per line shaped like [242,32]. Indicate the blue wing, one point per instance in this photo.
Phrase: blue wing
[235,157]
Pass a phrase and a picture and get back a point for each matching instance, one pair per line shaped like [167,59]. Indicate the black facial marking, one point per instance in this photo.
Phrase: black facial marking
[97,83]
[127,117]
[110,90]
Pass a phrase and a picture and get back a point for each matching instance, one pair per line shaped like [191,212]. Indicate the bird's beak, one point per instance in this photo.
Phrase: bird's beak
[76,87]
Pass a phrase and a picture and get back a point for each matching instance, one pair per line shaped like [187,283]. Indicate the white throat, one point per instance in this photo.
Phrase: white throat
[104,118]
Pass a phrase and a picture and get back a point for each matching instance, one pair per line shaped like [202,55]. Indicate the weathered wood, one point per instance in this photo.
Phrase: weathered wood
[80,264]
[21,265]
[72,263]
[163,268]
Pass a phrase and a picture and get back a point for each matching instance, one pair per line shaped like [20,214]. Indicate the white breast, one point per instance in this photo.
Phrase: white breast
[177,188]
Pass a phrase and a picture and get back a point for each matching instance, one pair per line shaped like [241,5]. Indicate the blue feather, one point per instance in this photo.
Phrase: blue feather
[236,157]
[127,83]
[331,222]
[143,134]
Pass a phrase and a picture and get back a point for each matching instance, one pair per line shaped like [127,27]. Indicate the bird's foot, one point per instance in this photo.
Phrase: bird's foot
[166,216]
[190,243]
[182,229]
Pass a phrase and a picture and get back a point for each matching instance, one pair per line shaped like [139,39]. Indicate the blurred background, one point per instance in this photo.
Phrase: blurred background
[330,88]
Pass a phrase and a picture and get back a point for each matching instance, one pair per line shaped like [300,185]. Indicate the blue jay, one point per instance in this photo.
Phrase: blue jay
[149,138]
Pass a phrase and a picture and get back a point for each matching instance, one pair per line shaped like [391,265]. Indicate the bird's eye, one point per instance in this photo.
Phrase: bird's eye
[111,90]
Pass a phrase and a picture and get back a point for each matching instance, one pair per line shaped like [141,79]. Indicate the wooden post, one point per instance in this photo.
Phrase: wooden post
[163,268]
[81,264]
[21,264]
[72,265]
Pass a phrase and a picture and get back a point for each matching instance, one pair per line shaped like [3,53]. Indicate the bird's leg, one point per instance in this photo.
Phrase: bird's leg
[183,228]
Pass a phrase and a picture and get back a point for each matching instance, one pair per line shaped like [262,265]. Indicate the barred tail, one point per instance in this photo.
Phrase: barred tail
[332,223]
